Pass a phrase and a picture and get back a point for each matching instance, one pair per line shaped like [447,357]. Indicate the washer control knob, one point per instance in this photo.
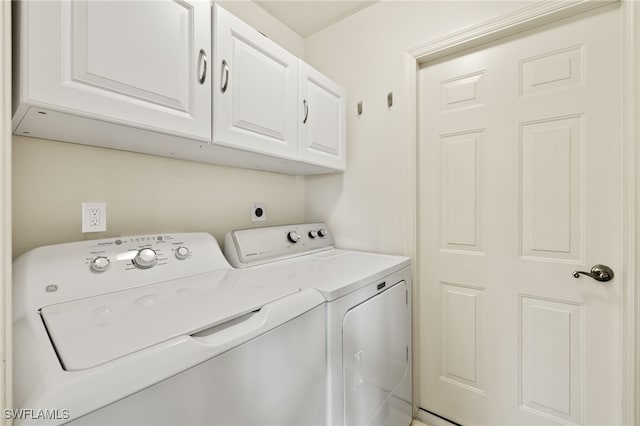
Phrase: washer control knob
[182,253]
[322,232]
[146,258]
[313,234]
[100,264]
[293,236]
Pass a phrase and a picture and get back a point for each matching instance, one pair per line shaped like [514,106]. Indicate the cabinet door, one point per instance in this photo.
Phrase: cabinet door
[140,63]
[322,120]
[255,90]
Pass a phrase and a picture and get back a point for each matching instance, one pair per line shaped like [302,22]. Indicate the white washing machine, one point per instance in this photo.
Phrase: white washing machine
[368,303]
[160,330]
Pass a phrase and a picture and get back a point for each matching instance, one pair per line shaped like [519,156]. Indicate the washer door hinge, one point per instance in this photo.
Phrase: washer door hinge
[407,353]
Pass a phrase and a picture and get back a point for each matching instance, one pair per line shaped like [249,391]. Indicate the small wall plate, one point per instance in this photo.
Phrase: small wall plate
[258,212]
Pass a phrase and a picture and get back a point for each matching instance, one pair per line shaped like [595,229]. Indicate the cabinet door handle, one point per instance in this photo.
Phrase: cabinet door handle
[224,81]
[306,111]
[203,59]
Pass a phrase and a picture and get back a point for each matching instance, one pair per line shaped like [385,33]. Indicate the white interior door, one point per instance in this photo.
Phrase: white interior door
[519,168]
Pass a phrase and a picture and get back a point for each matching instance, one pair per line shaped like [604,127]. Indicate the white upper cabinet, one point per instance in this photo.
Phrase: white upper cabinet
[176,78]
[322,120]
[255,90]
[138,63]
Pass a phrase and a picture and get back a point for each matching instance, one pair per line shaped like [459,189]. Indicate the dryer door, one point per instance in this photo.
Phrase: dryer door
[375,355]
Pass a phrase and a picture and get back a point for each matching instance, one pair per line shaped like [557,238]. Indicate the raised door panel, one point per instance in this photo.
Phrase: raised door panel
[322,120]
[138,63]
[255,90]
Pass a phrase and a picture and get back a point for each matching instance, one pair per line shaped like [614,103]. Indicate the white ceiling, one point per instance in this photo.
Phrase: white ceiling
[308,17]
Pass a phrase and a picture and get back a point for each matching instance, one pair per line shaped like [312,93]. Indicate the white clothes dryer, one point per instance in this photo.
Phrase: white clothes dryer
[368,303]
[160,330]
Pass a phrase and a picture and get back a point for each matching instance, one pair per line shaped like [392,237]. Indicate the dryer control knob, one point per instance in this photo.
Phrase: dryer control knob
[146,258]
[313,234]
[293,236]
[100,264]
[182,252]
[322,232]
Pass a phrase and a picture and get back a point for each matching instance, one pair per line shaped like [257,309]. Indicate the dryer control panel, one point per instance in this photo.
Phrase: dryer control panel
[251,247]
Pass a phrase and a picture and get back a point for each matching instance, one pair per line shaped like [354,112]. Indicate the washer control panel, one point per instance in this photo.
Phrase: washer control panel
[62,272]
[250,247]
[144,252]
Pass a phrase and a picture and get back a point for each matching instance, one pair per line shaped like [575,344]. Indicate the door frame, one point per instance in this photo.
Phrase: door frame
[538,14]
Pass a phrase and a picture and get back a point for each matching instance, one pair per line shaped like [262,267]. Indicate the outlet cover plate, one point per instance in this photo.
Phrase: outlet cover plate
[94,217]
[258,212]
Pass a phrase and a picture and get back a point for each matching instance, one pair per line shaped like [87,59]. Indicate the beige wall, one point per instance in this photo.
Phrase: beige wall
[369,206]
[6,328]
[144,193]
[260,19]
[52,179]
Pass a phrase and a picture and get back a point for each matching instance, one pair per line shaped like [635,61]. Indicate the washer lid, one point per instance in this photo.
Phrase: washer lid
[92,331]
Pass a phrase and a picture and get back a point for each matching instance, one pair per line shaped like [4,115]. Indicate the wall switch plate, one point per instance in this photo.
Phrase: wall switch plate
[258,212]
[94,217]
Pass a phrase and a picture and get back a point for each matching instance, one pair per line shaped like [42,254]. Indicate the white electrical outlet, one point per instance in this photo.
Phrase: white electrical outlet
[94,217]
[258,212]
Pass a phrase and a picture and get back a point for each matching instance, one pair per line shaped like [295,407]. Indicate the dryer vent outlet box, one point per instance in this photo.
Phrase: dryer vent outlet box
[258,212]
